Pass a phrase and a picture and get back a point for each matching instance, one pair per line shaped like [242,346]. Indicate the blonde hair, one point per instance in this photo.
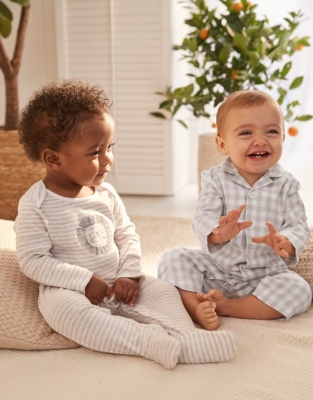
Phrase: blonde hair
[240,99]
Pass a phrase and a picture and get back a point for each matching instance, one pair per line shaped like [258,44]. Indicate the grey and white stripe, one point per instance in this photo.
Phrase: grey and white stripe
[156,327]
[61,242]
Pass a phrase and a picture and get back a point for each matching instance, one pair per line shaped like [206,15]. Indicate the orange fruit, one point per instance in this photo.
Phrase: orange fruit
[204,33]
[237,7]
[234,74]
[293,131]
[299,47]
[213,125]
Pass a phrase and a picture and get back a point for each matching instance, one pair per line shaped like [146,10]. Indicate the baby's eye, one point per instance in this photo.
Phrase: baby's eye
[245,133]
[95,153]
[273,131]
[111,145]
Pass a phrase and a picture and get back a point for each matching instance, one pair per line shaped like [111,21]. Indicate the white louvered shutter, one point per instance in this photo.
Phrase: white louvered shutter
[125,45]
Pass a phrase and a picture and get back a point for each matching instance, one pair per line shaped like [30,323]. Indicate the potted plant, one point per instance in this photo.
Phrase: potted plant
[17,173]
[232,51]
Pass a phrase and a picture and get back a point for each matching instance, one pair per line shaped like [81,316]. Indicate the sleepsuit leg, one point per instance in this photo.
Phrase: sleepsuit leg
[160,303]
[72,315]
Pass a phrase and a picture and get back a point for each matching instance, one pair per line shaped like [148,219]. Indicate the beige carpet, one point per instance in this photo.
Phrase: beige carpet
[274,360]
[158,234]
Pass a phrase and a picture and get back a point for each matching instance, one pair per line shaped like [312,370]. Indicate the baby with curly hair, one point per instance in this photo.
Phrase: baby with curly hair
[74,238]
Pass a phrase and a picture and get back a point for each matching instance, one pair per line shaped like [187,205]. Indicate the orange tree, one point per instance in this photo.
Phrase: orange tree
[232,51]
[11,67]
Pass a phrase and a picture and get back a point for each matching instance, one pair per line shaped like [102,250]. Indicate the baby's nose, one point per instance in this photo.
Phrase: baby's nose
[260,140]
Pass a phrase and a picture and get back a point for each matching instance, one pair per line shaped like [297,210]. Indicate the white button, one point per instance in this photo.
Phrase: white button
[251,255]
[252,195]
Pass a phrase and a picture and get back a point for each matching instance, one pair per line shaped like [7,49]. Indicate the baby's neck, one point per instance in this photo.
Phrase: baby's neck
[74,192]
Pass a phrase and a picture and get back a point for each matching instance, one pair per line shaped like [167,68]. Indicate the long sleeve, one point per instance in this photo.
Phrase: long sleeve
[295,226]
[274,197]
[33,246]
[127,242]
[209,208]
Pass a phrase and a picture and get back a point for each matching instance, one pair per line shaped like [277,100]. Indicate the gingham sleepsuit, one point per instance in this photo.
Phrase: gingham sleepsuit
[240,267]
[61,242]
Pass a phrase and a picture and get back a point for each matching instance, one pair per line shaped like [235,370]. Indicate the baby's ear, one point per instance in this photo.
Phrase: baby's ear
[51,159]
[221,145]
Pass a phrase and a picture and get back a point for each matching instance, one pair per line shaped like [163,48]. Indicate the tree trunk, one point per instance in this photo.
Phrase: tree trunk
[11,91]
[10,70]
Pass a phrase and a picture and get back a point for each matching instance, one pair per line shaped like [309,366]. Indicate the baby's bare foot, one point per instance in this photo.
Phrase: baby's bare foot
[220,300]
[206,315]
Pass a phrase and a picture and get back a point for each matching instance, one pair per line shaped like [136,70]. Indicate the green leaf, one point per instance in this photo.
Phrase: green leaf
[282,91]
[251,30]
[304,41]
[258,81]
[283,41]
[254,58]
[285,69]
[241,42]
[224,53]
[188,90]
[292,104]
[193,45]
[282,96]
[296,82]
[304,117]
[182,123]
[166,105]
[202,82]
[158,115]
[5,11]
[287,117]
[5,26]
[23,3]
[276,73]
[179,93]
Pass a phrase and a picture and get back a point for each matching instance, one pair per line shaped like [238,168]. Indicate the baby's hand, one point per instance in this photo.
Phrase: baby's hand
[126,290]
[228,226]
[280,244]
[96,290]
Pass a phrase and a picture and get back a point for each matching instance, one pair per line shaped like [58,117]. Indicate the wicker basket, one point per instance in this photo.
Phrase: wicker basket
[17,173]
[208,155]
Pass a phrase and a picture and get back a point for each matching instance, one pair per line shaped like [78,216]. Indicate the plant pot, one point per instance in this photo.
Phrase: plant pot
[17,173]
[208,155]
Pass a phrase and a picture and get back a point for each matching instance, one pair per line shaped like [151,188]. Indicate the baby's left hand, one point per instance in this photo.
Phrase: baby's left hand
[126,290]
[280,244]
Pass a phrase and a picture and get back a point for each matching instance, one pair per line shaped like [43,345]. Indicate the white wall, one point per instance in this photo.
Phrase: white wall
[39,56]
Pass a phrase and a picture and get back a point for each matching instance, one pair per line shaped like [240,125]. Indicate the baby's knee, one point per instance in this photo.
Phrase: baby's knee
[307,293]
[171,258]
[304,299]
[172,254]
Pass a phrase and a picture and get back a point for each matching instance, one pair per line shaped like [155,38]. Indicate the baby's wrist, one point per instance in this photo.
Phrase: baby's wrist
[212,238]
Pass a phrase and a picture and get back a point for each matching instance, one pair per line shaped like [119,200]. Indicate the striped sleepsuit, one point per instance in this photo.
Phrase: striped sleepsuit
[240,267]
[61,242]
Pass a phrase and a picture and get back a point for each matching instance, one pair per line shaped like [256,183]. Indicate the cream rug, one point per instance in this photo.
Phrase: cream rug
[158,234]
[274,359]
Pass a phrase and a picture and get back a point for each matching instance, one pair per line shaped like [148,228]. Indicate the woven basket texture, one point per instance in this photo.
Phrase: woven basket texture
[208,155]
[17,173]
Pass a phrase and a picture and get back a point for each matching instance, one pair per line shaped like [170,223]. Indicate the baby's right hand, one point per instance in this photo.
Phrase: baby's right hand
[96,290]
[228,226]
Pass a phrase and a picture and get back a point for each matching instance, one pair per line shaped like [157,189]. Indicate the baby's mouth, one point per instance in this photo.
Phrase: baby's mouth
[259,155]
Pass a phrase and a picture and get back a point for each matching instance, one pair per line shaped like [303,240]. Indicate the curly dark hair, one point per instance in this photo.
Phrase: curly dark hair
[55,113]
